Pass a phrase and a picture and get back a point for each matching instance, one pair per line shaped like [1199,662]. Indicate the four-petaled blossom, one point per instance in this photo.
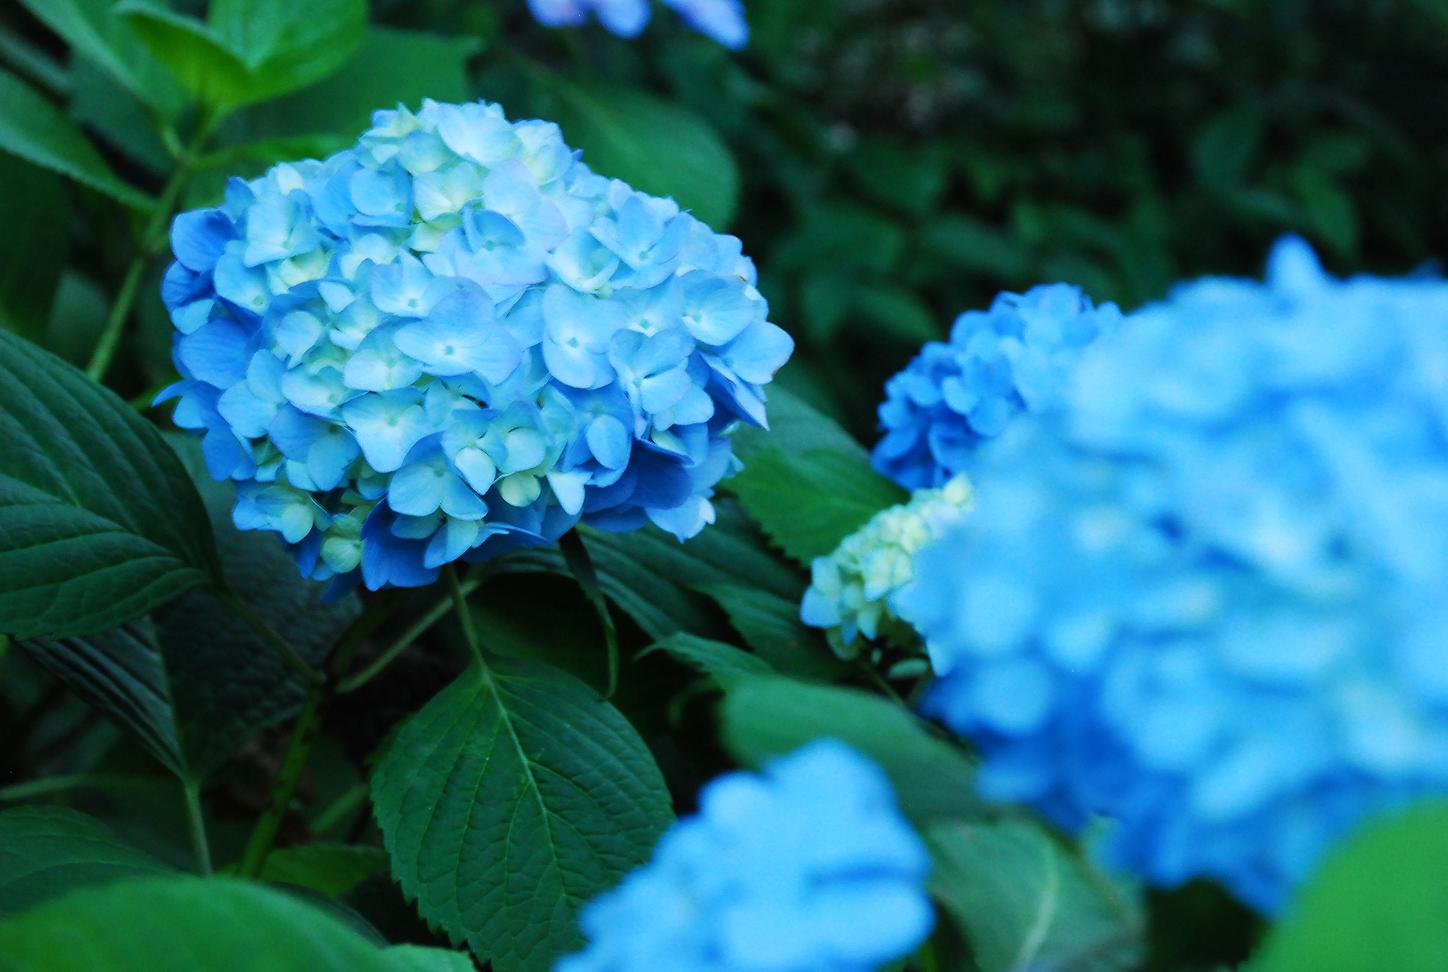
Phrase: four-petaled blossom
[1208,599]
[1001,363]
[454,339]
[723,20]
[806,867]
[852,589]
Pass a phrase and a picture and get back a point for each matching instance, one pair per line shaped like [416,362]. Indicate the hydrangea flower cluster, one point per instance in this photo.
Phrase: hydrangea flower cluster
[1209,598]
[723,20]
[851,590]
[1000,363]
[454,338]
[806,867]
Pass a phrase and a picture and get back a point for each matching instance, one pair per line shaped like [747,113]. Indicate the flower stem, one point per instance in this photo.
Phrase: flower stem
[465,616]
[299,750]
[299,747]
[406,640]
[153,238]
[200,846]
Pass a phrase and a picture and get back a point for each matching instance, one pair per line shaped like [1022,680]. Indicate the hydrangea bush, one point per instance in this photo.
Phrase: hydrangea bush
[454,339]
[1000,363]
[1208,601]
[683,694]
[852,590]
[806,867]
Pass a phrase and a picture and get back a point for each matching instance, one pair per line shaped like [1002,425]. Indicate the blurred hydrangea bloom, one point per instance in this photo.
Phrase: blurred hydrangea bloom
[851,590]
[999,363]
[723,20]
[806,867]
[1209,598]
[454,338]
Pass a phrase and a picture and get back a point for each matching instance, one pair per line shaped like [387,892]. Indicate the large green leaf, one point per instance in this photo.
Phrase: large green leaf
[195,682]
[390,67]
[99,522]
[288,45]
[1377,902]
[770,625]
[34,250]
[332,869]
[805,480]
[48,851]
[182,924]
[510,800]
[94,31]
[768,717]
[653,145]
[722,662]
[39,132]
[249,51]
[1027,902]
[650,575]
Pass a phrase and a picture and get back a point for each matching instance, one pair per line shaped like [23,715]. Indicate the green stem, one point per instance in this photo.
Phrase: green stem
[200,846]
[580,564]
[339,810]
[264,631]
[465,616]
[299,751]
[405,640]
[153,239]
[31,789]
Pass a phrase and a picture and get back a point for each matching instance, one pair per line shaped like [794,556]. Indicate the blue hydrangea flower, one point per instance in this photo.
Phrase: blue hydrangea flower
[851,590]
[454,339]
[723,20]
[806,867]
[1001,363]
[1209,598]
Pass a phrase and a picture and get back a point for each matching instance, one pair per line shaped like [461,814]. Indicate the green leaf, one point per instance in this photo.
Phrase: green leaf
[94,31]
[1226,145]
[510,800]
[195,682]
[287,45]
[976,247]
[724,663]
[332,869]
[417,958]
[1377,902]
[767,717]
[390,67]
[805,454]
[842,497]
[181,924]
[46,852]
[194,54]
[249,51]
[33,253]
[653,145]
[770,625]
[1027,902]
[40,133]
[648,574]
[99,522]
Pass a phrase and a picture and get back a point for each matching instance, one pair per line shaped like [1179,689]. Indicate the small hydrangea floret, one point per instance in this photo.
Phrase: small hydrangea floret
[1209,599]
[806,867]
[722,20]
[852,590]
[453,339]
[1010,360]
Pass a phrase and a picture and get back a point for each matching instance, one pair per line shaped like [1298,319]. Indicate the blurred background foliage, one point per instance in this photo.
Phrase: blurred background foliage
[888,163]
